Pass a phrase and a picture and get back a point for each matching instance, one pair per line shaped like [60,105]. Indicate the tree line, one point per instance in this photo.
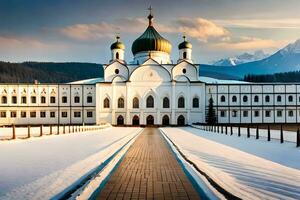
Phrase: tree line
[48,72]
[285,77]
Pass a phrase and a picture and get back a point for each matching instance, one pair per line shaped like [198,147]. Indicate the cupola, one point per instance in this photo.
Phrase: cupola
[117,50]
[185,50]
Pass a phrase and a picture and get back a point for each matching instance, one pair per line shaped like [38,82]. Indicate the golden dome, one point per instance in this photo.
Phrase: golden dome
[117,44]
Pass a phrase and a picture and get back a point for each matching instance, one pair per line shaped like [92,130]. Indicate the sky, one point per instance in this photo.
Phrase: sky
[82,31]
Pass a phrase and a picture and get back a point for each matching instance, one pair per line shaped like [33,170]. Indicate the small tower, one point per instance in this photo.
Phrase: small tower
[117,50]
[185,51]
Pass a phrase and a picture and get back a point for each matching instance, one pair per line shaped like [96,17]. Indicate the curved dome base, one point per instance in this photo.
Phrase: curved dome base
[158,56]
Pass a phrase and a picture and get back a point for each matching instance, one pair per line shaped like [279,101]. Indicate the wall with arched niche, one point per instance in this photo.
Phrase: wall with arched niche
[115,69]
[185,69]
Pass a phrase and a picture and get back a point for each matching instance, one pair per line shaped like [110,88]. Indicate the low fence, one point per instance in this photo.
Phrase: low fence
[281,135]
[25,132]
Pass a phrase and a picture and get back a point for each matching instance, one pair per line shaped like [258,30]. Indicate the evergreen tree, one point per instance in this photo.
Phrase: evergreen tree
[211,114]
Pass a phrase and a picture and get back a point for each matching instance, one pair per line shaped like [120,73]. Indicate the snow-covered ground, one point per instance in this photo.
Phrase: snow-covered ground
[248,168]
[22,132]
[39,168]
[288,136]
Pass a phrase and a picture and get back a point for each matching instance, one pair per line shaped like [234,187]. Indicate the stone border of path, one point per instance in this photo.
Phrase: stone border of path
[204,184]
[87,185]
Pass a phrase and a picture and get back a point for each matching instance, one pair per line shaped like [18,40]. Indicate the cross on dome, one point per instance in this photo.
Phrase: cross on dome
[150,16]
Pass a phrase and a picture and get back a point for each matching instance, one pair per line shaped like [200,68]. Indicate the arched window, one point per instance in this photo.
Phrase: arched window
[135,103]
[23,100]
[223,99]
[135,120]
[267,98]
[120,102]
[150,102]
[290,98]
[76,99]
[43,99]
[166,102]
[165,120]
[256,99]
[117,55]
[184,55]
[181,121]
[234,99]
[33,99]
[53,100]
[195,102]
[106,103]
[89,99]
[245,99]
[278,98]
[14,99]
[181,102]
[3,99]
[120,120]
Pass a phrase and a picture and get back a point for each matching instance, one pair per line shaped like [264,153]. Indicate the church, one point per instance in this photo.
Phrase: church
[150,90]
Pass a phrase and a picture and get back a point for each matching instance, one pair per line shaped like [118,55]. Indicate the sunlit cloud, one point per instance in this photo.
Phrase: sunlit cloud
[90,32]
[250,43]
[201,29]
[289,23]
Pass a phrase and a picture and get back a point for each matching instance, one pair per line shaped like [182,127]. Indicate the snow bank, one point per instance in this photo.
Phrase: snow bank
[248,168]
[41,168]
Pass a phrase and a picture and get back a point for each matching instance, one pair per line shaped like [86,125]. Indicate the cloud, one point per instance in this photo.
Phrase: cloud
[13,48]
[249,43]
[289,23]
[91,32]
[201,29]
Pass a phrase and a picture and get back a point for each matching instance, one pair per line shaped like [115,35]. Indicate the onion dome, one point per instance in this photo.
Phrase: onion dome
[117,44]
[151,40]
[185,44]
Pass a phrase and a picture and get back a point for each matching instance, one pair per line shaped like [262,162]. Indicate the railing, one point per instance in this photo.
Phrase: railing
[289,136]
[25,132]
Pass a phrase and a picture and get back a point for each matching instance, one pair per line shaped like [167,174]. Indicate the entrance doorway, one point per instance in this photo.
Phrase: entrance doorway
[120,120]
[135,120]
[181,120]
[165,120]
[150,120]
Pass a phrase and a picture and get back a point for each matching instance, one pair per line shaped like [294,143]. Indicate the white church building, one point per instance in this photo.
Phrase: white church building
[150,90]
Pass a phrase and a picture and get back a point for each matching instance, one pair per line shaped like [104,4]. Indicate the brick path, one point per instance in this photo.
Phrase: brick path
[149,170]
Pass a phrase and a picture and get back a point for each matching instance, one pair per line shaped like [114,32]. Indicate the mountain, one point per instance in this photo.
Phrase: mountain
[284,60]
[48,72]
[241,59]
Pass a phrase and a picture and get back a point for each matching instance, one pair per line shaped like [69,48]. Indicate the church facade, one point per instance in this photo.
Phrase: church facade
[150,90]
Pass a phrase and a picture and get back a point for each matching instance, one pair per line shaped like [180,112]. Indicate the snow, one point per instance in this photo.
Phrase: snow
[88,81]
[248,168]
[22,132]
[220,81]
[242,58]
[39,168]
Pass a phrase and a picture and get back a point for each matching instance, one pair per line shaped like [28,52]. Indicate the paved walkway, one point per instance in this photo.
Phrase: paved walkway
[149,170]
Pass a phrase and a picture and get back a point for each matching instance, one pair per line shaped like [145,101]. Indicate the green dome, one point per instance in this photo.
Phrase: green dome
[117,45]
[151,40]
[185,44]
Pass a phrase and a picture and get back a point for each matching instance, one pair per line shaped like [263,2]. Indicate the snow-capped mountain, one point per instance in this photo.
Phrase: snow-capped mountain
[285,60]
[241,59]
